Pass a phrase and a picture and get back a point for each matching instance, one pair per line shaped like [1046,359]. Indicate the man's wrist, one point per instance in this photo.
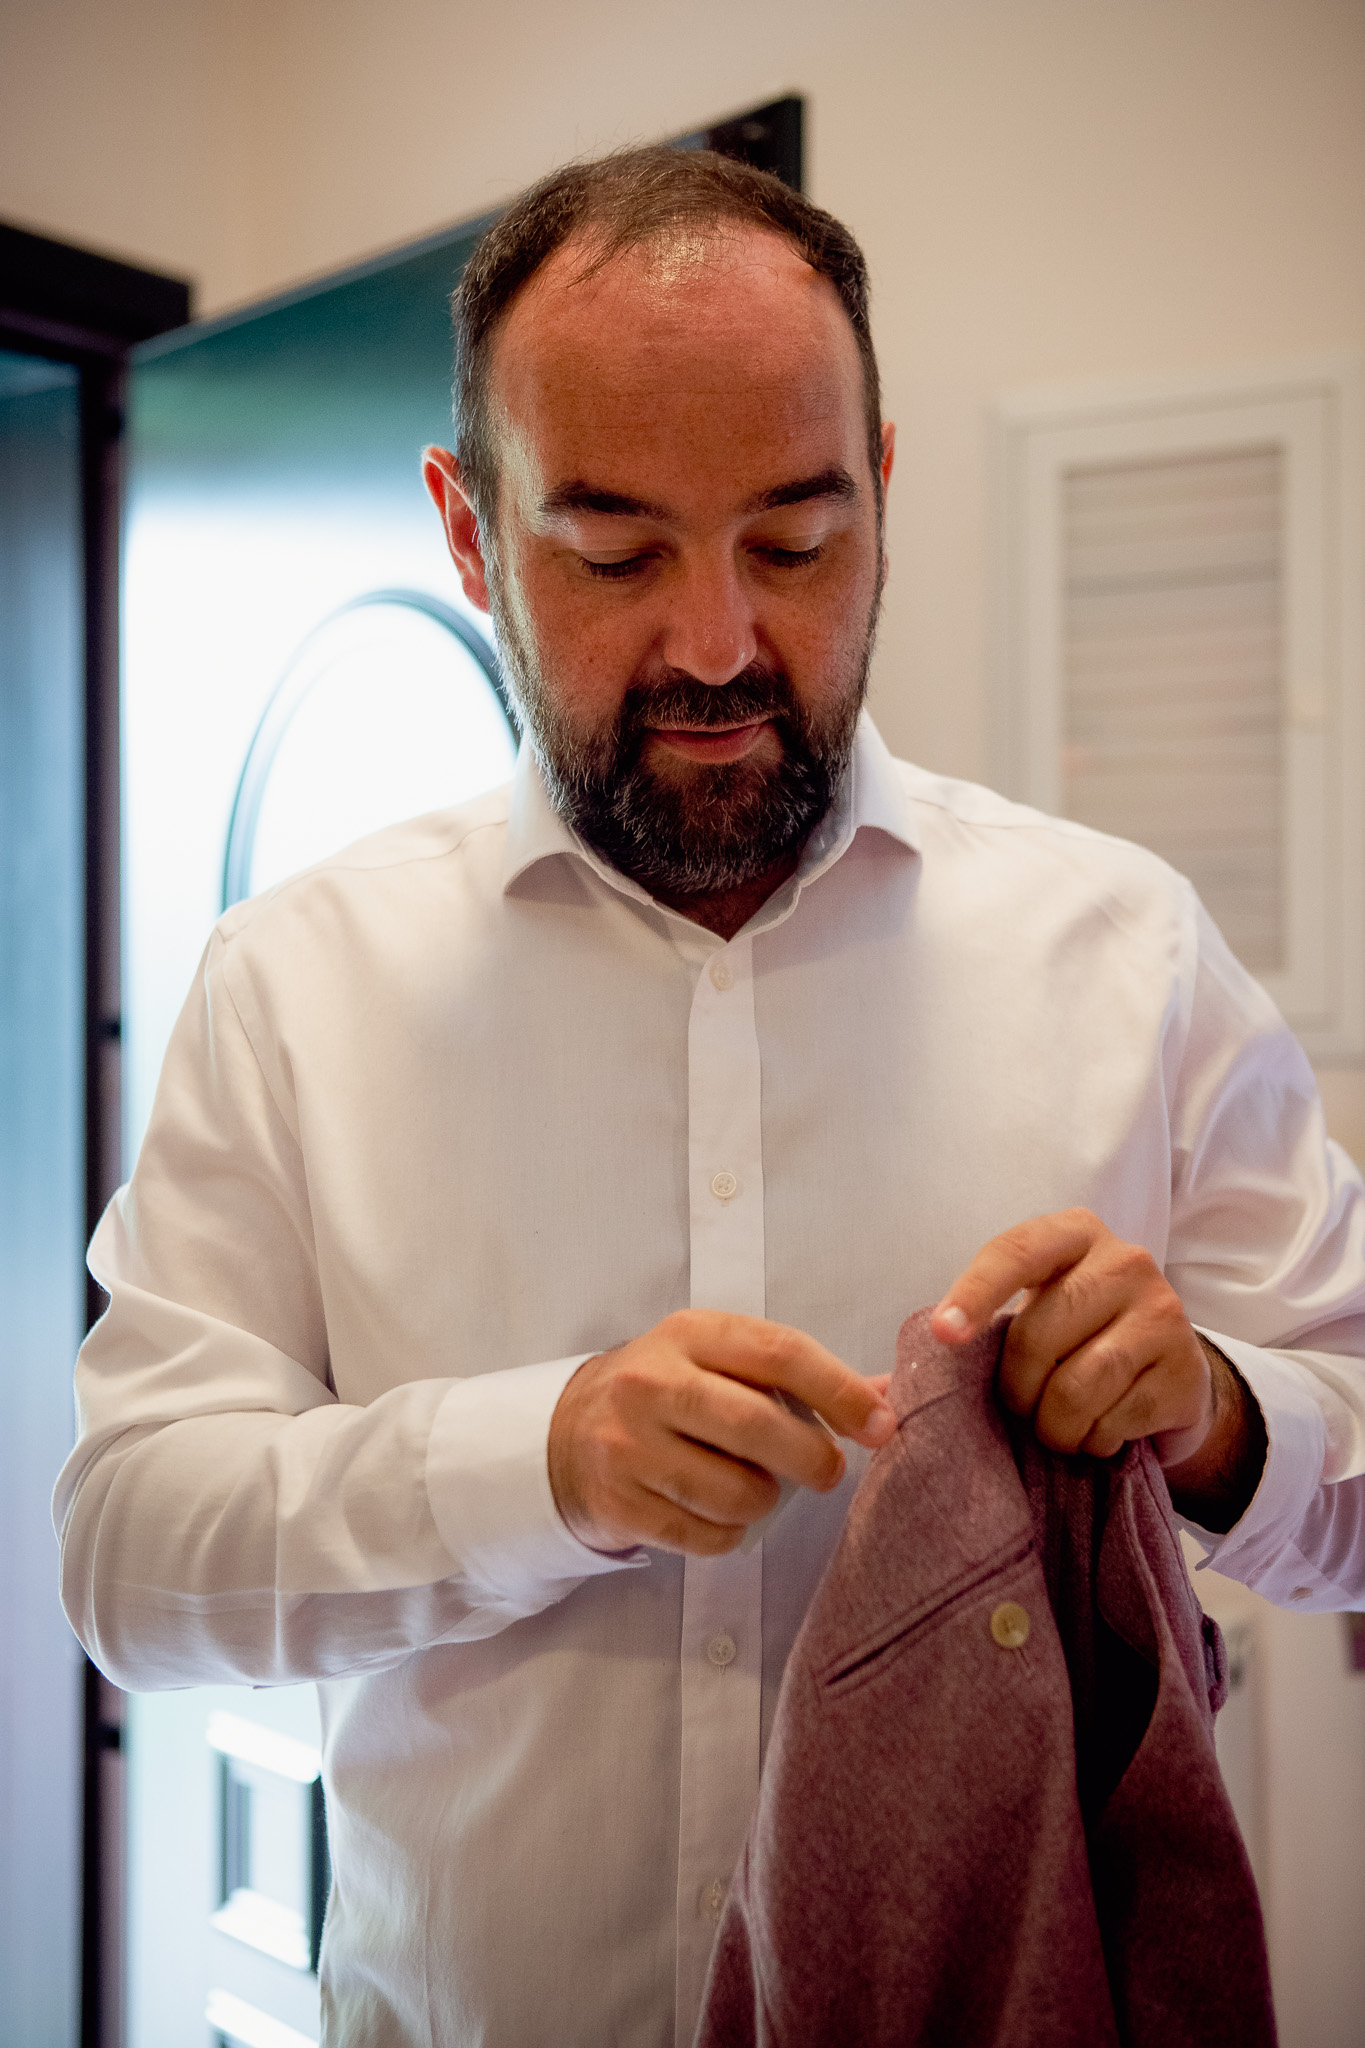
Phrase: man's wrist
[570,1504]
[489,1490]
[1215,1486]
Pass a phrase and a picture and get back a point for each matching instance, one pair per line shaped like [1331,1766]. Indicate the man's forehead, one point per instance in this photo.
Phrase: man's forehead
[734,296]
[729,343]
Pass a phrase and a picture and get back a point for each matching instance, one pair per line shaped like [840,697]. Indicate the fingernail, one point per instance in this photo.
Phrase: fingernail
[952,1319]
[879,1428]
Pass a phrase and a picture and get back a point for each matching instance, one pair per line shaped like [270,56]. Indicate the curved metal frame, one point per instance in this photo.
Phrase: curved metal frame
[289,693]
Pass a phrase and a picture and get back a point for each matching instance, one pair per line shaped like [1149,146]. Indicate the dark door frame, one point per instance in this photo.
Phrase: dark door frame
[70,305]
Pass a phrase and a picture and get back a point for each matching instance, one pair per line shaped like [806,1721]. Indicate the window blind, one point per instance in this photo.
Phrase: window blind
[1173,688]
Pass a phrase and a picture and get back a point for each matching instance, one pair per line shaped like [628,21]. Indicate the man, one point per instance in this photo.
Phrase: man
[504,1166]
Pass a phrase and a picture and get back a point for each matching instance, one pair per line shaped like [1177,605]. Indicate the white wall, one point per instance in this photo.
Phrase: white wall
[1046,189]
[124,125]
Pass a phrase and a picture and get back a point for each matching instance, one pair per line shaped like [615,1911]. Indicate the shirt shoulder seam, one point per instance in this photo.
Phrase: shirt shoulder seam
[280,1109]
[1183,895]
[250,907]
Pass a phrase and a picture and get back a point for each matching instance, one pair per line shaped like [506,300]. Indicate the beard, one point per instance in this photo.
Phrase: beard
[712,826]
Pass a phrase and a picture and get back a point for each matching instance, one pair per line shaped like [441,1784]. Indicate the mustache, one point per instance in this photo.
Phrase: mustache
[679,699]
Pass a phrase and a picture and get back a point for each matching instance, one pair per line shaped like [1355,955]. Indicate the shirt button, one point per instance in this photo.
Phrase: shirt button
[724,1185]
[711,1899]
[1010,1625]
[1302,1593]
[721,1650]
[722,974]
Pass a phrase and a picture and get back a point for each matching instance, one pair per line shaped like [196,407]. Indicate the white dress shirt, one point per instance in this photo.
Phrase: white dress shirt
[461,1107]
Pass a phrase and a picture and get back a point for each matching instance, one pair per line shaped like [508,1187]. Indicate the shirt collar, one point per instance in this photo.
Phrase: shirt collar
[872,797]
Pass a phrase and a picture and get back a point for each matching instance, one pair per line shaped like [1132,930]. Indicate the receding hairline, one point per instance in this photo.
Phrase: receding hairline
[640,198]
[708,234]
[582,260]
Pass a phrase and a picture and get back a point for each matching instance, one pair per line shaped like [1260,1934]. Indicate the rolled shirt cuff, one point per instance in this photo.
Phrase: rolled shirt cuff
[1258,1549]
[488,1482]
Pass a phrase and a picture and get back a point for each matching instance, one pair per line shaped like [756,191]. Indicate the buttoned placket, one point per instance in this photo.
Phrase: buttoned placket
[722,1621]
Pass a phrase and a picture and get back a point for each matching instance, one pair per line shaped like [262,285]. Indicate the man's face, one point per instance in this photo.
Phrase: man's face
[687,558]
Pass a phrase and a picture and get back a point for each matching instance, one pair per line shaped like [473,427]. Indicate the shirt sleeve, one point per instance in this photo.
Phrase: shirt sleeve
[224,1517]
[1267,1251]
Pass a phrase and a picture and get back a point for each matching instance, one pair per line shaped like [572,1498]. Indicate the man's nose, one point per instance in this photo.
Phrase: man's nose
[711,632]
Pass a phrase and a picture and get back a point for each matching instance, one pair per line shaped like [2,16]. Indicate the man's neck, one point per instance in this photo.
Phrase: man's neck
[726,911]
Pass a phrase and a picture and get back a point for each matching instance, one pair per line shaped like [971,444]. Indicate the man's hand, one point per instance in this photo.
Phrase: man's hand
[673,1439]
[1103,1352]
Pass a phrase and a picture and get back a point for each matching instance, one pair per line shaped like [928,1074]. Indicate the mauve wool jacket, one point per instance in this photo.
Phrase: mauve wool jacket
[991,1815]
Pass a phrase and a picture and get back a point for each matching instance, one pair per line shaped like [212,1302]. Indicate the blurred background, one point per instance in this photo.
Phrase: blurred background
[1118,252]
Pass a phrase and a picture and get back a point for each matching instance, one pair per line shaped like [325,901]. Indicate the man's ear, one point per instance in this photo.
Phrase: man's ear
[441,475]
[888,463]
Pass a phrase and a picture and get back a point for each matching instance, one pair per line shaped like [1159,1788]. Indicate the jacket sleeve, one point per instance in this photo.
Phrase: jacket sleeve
[223,1516]
[1267,1251]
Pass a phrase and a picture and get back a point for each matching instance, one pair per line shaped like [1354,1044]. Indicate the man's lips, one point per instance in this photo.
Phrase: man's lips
[712,742]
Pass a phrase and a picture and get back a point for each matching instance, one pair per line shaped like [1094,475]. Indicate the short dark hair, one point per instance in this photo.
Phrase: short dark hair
[620,202]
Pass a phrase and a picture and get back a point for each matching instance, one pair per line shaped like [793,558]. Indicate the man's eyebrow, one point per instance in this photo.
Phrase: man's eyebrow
[578,496]
[826,483]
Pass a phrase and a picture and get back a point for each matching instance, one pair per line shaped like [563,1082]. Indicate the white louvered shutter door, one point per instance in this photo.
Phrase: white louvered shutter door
[1173,689]
[1181,604]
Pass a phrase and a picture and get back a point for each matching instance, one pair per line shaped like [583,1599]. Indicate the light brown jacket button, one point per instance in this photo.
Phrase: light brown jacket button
[1010,1625]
